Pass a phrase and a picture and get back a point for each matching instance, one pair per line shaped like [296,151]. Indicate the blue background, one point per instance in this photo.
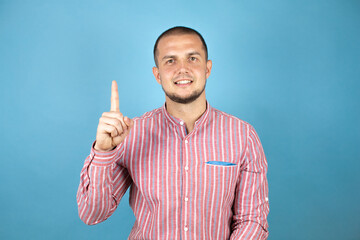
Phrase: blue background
[290,68]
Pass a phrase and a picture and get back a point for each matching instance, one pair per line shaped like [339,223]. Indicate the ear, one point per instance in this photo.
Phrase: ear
[156,74]
[208,68]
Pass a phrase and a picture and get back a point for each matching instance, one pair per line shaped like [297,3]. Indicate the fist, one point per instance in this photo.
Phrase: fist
[113,127]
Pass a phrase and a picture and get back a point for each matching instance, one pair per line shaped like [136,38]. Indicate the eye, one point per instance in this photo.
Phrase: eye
[170,61]
[193,59]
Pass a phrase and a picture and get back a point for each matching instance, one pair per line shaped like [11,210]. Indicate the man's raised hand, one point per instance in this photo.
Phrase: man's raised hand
[113,126]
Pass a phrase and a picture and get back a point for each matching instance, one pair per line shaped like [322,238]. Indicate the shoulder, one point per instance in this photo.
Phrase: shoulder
[148,115]
[217,114]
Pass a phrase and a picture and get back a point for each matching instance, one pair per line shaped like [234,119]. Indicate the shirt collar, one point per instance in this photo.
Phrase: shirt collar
[179,122]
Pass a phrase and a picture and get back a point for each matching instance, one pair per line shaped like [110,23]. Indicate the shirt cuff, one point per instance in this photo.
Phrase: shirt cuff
[102,159]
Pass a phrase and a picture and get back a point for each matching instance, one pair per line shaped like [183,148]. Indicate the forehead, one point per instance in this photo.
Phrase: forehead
[180,43]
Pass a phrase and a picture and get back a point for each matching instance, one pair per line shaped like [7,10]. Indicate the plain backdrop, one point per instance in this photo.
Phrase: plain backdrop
[289,68]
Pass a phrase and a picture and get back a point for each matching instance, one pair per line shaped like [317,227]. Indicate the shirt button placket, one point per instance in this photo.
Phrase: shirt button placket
[186,199]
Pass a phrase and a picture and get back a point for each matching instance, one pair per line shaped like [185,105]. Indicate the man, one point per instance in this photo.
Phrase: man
[195,172]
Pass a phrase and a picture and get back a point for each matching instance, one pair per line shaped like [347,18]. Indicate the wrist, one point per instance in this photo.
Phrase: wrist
[96,148]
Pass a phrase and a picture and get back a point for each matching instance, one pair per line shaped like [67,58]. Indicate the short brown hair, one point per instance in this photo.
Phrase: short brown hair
[178,31]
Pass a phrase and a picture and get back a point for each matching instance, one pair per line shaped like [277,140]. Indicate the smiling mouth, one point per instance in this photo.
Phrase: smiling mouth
[183,82]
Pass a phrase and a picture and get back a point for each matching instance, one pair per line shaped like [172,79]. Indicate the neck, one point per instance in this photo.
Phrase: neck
[189,112]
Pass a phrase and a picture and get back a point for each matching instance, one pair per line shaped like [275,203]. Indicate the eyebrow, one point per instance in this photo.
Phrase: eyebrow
[194,53]
[168,56]
[189,54]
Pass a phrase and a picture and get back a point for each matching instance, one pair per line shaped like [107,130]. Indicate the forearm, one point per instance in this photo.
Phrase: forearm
[96,197]
[251,207]
[249,231]
[250,219]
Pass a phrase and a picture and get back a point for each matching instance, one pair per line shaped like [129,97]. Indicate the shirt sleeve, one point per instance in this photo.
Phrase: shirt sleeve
[251,203]
[103,182]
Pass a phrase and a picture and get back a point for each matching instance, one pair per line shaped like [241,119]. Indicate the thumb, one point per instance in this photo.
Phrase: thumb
[129,122]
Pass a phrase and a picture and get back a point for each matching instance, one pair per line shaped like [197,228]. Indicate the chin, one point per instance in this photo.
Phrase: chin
[184,99]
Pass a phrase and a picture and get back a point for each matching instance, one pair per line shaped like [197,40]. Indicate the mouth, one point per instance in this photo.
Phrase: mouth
[183,82]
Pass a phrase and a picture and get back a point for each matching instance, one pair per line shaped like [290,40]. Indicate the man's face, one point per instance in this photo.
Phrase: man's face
[182,67]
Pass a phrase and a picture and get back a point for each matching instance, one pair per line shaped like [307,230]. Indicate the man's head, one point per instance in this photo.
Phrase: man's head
[182,64]
[178,31]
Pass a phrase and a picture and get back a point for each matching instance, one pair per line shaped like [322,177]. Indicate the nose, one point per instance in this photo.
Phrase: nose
[183,67]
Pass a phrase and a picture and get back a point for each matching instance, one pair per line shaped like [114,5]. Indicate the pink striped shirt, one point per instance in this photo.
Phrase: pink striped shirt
[208,184]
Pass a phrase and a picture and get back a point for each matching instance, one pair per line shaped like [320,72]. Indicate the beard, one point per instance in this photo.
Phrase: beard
[184,100]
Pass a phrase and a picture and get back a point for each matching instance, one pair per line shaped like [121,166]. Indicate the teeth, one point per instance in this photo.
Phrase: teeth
[183,82]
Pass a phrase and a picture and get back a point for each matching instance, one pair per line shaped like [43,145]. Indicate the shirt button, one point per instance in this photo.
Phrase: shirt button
[186,168]
[181,123]
[186,229]
[186,141]
[266,199]
[186,199]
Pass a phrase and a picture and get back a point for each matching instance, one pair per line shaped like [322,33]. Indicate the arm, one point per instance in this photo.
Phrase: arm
[103,182]
[104,178]
[251,205]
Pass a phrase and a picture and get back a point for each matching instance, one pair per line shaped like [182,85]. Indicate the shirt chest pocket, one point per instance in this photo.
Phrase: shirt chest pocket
[221,177]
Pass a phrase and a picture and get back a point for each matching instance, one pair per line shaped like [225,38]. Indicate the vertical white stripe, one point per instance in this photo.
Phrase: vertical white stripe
[149,170]
[186,187]
[94,195]
[167,230]
[177,170]
[205,196]
[212,184]
[103,194]
[158,180]
[139,199]
[194,194]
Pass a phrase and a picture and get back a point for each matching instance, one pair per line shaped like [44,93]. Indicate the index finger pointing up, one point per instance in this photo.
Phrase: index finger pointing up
[114,97]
